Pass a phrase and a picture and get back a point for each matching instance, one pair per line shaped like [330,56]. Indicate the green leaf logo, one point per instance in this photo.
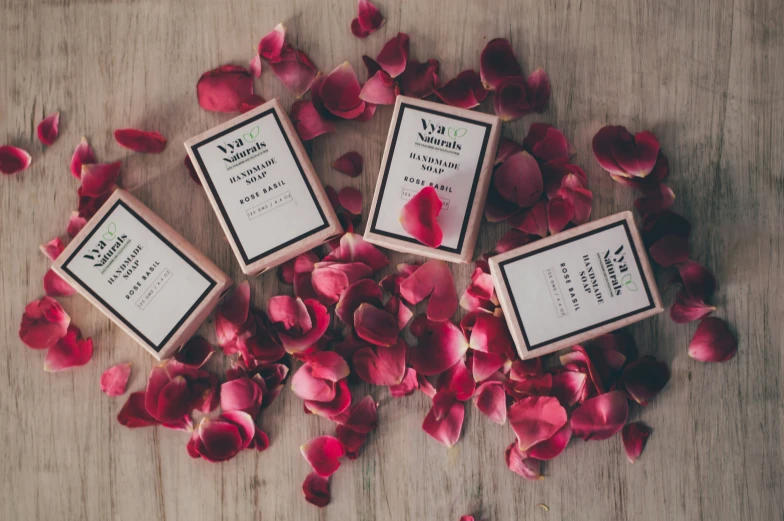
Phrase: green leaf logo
[252,135]
[628,282]
[456,132]
[110,232]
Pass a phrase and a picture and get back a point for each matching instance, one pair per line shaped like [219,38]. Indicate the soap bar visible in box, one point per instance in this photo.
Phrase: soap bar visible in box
[579,284]
[268,198]
[451,149]
[142,274]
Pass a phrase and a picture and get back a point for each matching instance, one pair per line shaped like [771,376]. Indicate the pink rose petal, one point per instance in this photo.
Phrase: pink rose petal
[98,179]
[353,248]
[519,180]
[419,217]
[600,417]
[624,154]
[464,91]
[545,143]
[44,322]
[444,422]
[698,281]
[349,163]
[369,19]
[377,326]
[351,199]
[70,351]
[441,345]
[634,436]
[553,446]
[559,212]
[255,66]
[195,353]
[529,468]
[83,155]
[49,128]
[497,62]
[687,309]
[382,366]
[294,69]
[140,140]
[535,419]
[533,221]
[490,399]
[271,45]
[340,92]
[393,55]
[419,80]
[433,279]
[380,89]
[308,121]
[225,89]
[222,438]
[13,160]
[323,453]
[713,341]
[53,248]
[56,286]
[75,224]
[538,90]
[114,380]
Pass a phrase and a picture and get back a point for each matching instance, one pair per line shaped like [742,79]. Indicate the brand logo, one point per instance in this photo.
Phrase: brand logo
[617,270]
[434,133]
[105,249]
[241,147]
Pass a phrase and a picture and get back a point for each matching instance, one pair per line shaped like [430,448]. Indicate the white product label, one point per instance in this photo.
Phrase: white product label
[574,286]
[261,189]
[140,277]
[430,148]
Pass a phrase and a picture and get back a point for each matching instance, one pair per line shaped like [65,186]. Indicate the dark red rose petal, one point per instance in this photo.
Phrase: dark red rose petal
[600,417]
[644,378]
[308,121]
[559,212]
[713,341]
[316,490]
[340,92]
[519,180]
[49,128]
[419,79]
[512,99]
[687,308]
[634,436]
[670,250]
[294,69]
[83,155]
[538,90]
[497,62]
[546,143]
[533,221]
[393,55]
[13,160]
[140,140]
[697,280]
[464,91]
[271,45]
[349,163]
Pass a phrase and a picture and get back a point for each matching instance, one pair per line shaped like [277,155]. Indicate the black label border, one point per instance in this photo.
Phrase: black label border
[210,287]
[651,303]
[214,191]
[388,165]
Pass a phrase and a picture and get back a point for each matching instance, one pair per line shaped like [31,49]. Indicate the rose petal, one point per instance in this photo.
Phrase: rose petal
[369,19]
[419,217]
[232,313]
[75,224]
[713,341]
[581,200]
[380,89]
[223,438]
[303,263]
[698,281]
[559,212]
[687,309]
[519,180]
[351,199]
[191,171]
[440,346]
[535,419]
[353,248]
[316,490]
[308,387]
[670,250]
[569,387]
[375,325]
[49,128]
[328,365]
[294,69]
[634,436]
[56,286]
[70,351]
[308,121]
[140,140]
[459,380]
[329,284]
[382,366]
[600,417]
[241,394]
[579,358]
[319,317]
[490,334]
[349,163]
[623,154]
[83,155]
[538,89]
[484,365]
[44,322]
[512,239]
[667,223]
[490,399]
[323,453]
[513,99]
[497,208]
[114,380]
[225,89]
[660,200]
[445,419]
[99,178]
[433,279]
[340,92]
[195,353]
[134,414]
[497,62]
[255,66]
[13,160]
[400,311]
[363,417]
[53,248]
[393,55]
[644,378]
[546,143]
[271,45]
[364,290]
[554,446]
[533,221]
[407,385]
[529,468]
[419,80]
[351,440]
[337,406]
[464,91]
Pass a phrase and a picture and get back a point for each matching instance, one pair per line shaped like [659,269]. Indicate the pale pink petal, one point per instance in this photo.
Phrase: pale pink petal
[53,248]
[114,380]
[308,387]
[335,407]
[56,286]
[75,224]
[529,468]
[49,128]
[353,248]
[319,316]
[329,284]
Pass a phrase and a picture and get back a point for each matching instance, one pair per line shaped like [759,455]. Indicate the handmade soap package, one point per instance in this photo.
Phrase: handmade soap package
[263,188]
[576,285]
[448,148]
[142,274]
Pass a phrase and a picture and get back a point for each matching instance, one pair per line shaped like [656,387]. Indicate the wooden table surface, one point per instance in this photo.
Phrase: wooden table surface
[707,76]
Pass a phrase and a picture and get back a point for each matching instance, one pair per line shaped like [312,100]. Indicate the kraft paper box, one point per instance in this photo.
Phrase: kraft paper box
[142,274]
[263,188]
[451,149]
[576,285]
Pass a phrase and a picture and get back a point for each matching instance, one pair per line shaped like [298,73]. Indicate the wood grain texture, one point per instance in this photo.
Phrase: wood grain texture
[707,76]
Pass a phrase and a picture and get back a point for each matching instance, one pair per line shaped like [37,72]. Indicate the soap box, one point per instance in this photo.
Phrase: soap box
[451,149]
[576,285]
[142,274]
[267,197]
